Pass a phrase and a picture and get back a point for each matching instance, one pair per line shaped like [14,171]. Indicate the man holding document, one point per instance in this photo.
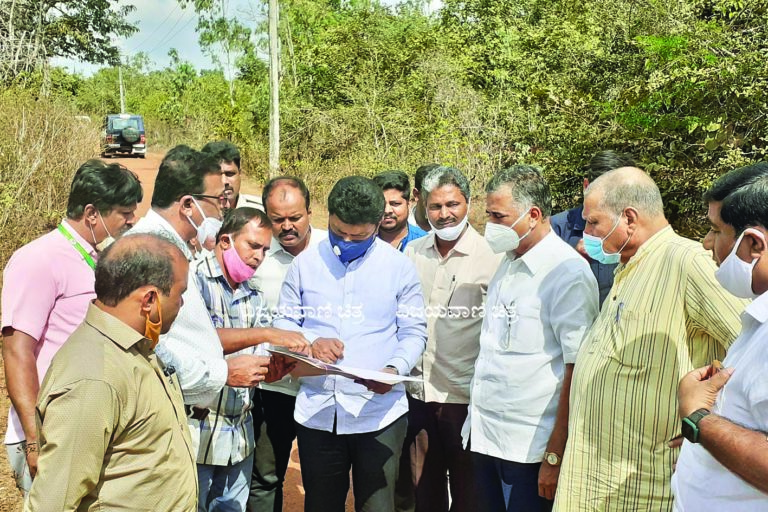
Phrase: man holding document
[358,301]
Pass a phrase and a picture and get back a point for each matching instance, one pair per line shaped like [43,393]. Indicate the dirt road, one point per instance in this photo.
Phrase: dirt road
[146,169]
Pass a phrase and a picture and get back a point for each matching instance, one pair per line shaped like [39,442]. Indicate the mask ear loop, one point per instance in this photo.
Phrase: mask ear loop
[101,218]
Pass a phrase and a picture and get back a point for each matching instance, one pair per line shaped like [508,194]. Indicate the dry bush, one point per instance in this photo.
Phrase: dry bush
[41,146]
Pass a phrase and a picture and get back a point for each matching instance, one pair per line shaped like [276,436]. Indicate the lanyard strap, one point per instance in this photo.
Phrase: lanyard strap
[79,248]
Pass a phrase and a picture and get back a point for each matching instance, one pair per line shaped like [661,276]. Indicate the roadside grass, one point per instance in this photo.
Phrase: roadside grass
[42,144]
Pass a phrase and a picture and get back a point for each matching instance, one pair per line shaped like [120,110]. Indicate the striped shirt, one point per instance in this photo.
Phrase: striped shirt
[665,315]
[226,434]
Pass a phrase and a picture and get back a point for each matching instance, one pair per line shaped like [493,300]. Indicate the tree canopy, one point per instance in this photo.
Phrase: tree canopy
[479,84]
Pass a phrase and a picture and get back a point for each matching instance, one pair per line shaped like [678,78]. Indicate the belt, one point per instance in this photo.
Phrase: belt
[196,413]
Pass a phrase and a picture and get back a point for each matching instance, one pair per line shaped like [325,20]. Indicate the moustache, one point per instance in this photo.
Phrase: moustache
[444,222]
[283,234]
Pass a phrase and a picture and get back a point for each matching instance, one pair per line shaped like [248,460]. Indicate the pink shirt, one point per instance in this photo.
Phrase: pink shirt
[47,286]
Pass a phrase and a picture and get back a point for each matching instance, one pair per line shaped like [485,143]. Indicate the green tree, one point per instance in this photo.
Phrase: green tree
[34,31]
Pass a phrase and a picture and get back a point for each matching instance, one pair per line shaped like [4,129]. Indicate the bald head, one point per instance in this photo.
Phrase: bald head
[136,261]
[626,187]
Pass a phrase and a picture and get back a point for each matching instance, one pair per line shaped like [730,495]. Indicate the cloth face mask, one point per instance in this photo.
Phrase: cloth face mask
[237,269]
[348,251]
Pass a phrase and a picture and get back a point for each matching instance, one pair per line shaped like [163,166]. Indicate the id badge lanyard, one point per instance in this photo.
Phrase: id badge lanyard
[79,248]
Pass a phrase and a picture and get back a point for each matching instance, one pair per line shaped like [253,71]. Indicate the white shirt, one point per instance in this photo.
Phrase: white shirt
[268,279]
[538,309]
[700,482]
[192,346]
[375,307]
[248,200]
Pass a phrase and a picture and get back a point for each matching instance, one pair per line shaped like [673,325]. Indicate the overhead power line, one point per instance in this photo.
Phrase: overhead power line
[157,28]
[172,34]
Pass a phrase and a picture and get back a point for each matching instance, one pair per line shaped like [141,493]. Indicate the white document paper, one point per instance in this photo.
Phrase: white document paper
[310,367]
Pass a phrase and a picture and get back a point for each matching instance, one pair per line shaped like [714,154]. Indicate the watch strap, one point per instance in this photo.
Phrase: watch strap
[690,427]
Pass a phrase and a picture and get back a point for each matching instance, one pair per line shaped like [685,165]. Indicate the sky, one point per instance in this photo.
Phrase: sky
[163,25]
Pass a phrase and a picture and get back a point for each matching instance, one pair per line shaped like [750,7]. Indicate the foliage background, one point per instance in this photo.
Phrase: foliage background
[480,84]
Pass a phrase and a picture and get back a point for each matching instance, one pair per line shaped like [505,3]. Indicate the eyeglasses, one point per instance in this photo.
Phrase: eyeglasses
[222,199]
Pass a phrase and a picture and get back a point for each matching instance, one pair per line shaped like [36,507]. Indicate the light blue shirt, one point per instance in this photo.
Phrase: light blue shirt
[375,307]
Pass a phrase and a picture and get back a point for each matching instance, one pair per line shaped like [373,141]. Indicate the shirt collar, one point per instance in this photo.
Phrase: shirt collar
[650,245]
[540,254]
[276,248]
[758,308]
[153,217]
[86,245]
[114,329]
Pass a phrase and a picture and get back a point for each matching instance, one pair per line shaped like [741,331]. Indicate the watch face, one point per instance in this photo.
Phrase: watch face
[552,459]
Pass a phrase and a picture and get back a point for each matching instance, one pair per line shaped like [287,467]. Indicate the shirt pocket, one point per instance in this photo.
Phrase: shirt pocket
[525,333]
[637,342]
[466,300]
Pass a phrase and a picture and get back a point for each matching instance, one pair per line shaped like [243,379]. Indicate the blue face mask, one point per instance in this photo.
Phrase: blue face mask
[348,251]
[594,247]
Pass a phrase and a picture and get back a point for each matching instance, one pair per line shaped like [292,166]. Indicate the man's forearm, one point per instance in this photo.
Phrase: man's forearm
[21,379]
[559,435]
[234,340]
[741,450]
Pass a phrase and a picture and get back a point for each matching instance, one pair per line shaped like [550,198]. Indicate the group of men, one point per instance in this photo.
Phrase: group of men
[548,350]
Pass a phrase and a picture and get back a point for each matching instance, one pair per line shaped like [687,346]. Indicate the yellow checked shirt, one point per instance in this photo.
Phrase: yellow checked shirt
[666,314]
[111,425]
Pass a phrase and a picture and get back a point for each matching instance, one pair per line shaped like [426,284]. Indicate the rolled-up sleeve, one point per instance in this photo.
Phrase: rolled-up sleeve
[411,322]
[72,444]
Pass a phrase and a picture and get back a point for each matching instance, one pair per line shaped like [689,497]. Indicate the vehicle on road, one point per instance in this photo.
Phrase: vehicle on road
[123,133]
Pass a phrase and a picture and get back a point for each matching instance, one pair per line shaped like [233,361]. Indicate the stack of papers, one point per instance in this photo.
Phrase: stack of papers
[310,367]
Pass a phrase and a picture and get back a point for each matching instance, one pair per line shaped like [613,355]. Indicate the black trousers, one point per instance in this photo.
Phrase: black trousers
[275,430]
[432,451]
[373,457]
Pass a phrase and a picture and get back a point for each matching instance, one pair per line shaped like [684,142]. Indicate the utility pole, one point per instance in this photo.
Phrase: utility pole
[274,90]
[122,91]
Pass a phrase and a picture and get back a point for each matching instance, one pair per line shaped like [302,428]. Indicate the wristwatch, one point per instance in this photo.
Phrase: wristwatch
[394,368]
[690,426]
[552,458]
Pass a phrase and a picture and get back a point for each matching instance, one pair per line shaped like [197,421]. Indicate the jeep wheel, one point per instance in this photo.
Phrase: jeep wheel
[130,134]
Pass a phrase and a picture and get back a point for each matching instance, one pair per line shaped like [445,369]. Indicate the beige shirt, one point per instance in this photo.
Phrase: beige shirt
[454,289]
[111,425]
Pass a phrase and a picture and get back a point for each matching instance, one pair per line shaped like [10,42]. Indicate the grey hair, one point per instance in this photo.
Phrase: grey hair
[527,185]
[443,175]
[627,188]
